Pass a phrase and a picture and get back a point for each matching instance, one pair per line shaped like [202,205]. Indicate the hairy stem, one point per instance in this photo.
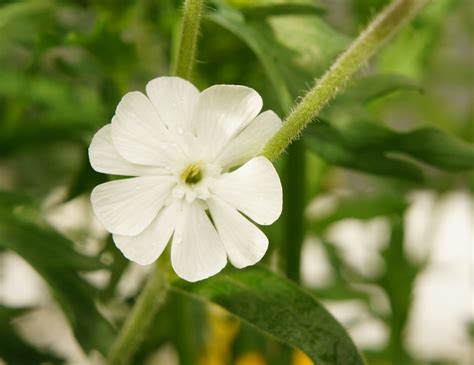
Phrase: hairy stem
[150,300]
[188,39]
[154,293]
[372,38]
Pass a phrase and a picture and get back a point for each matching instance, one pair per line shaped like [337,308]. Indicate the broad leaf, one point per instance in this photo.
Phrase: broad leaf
[280,308]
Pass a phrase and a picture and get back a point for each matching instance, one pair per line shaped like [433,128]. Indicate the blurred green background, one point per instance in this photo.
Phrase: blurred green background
[378,212]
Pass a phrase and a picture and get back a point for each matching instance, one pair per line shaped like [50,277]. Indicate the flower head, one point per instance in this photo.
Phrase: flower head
[196,177]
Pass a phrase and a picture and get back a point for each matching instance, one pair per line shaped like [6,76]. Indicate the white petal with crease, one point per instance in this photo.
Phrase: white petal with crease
[149,245]
[222,112]
[138,133]
[182,144]
[174,100]
[197,251]
[104,157]
[254,189]
[128,206]
[250,142]
[244,243]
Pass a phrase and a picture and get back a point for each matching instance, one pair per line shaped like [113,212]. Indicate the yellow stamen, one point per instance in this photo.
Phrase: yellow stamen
[192,174]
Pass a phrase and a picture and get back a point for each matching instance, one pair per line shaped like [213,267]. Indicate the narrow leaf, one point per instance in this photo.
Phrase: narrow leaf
[55,259]
[291,48]
[13,349]
[436,148]
[333,146]
[375,149]
[371,88]
[262,10]
[360,207]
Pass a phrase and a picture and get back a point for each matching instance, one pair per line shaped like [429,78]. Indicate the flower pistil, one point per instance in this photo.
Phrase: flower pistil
[192,174]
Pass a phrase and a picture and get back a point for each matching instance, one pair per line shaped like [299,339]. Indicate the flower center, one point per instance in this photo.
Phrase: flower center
[195,181]
[192,174]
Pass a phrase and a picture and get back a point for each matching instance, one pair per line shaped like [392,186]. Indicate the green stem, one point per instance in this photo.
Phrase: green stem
[150,300]
[153,295]
[188,39]
[372,38]
[294,203]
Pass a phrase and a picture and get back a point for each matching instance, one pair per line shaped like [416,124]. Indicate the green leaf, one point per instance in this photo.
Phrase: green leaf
[13,349]
[410,52]
[52,98]
[280,308]
[428,145]
[378,150]
[398,281]
[334,146]
[21,17]
[371,88]
[360,207]
[269,9]
[85,179]
[45,246]
[292,49]
[436,148]
[54,258]
[40,243]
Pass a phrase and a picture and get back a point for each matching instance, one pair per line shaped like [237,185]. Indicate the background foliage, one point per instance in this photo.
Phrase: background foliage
[402,126]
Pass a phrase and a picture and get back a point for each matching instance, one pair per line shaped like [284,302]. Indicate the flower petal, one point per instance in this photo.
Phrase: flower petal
[149,245]
[244,243]
[128,206]
[254,189]
[197,252]
[104,157]
[138,133]
[250,141]
[222,112]
[174,100]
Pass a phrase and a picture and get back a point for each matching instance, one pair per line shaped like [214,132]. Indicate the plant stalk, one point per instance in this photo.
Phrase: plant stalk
[137,323]
[154,293]
[386,23]
[294,181]
[188,38]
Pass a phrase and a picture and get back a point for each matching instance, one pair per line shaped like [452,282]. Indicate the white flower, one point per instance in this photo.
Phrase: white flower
[184,146]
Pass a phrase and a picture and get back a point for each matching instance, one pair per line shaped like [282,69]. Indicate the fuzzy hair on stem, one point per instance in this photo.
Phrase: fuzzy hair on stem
[382,28]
